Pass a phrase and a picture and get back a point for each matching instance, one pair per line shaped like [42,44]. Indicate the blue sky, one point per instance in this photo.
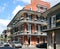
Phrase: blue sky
[8,8]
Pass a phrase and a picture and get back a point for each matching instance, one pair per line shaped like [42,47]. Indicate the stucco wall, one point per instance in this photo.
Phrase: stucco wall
[50,44]
[49,41]
[57,39]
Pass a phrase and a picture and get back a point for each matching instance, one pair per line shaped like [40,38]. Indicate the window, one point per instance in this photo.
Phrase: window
[21,18]
[58,16]
[49,25]
[36,18]
[27,26]
[38,9]
[31,8]
[37,39]
[16,29]
[53,21]
[37,27]
[21,28]
[58,20]
[45,9]
[58,24]
[41,8]
[40,28]
[30,17]
[44,27]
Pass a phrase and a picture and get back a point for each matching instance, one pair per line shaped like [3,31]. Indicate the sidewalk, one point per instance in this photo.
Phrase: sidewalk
[31,47]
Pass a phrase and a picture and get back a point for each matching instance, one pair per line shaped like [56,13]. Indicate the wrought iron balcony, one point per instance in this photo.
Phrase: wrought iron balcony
[42,22]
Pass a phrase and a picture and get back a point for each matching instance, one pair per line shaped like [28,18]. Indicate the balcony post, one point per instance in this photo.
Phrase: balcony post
[39,30]
[29,27]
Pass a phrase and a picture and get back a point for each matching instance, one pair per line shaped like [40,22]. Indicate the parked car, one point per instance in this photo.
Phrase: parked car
[42,45]
[6,44]
[16,44]
[1,44]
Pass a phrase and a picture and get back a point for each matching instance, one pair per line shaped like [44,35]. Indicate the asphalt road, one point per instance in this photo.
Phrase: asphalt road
[6,48]
[21,48]
[9,48]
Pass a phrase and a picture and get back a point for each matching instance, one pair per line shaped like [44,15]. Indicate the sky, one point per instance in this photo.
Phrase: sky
[9,8]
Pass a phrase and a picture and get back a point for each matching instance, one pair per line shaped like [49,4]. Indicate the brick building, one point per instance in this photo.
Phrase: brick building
[27,24]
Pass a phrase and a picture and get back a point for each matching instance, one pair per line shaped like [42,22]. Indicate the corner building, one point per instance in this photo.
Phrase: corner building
[28,23]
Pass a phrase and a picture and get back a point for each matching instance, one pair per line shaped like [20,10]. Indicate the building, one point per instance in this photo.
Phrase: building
[27,24]
[27,27]
[53,27]
[6,35]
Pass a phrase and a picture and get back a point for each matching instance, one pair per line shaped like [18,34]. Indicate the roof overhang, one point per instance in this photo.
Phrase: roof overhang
[52,29]
[51,10]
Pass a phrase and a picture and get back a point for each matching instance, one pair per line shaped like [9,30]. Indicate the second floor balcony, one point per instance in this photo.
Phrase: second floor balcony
[27,20]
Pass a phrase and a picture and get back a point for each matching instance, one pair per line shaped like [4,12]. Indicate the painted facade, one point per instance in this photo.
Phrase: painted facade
[53,31]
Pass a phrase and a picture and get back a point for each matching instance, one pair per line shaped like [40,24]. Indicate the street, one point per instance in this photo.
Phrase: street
[21,48]
[8,48]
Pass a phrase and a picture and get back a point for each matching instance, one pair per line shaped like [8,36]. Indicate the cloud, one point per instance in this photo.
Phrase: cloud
[52,2]
[24,1]
[2,8]
[17,9]
[2,27]
[3,24]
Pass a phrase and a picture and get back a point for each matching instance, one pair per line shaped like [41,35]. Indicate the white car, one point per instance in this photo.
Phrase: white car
[16,44]
[6,44]
[1,44]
